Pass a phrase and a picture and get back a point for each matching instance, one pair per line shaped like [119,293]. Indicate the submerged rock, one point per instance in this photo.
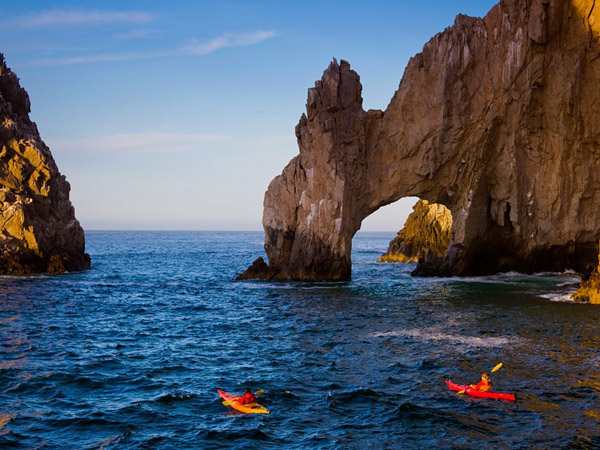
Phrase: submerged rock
[38,229]
[497,118]
[426,235]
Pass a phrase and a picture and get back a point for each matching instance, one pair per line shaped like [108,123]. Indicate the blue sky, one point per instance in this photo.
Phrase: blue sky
[177,115]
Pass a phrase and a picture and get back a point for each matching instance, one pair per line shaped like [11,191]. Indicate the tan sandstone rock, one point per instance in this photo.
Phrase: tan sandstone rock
[426,234]
[38,229]
[497,118]
[589,291]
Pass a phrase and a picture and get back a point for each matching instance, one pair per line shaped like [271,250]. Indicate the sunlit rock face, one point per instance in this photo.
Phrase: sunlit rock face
[426,235]
[589,291]
[497,118]
[38,229]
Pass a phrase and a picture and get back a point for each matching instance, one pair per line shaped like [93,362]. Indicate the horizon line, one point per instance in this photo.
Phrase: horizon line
[206,230]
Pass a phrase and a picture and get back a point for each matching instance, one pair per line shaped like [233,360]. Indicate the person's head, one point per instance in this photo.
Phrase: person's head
[247,391]
[484,377]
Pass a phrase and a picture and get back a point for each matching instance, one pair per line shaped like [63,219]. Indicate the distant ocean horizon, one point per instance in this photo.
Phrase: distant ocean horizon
[130,353]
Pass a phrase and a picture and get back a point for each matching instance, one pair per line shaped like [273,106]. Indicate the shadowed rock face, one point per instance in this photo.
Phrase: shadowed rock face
[426,235]
[498,119]
[38,229]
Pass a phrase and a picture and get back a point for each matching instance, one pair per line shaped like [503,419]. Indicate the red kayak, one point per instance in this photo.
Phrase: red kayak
[475,393]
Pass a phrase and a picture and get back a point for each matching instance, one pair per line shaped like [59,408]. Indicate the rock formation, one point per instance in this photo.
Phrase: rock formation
[497,118]
[589,291]
[38,229]
[426,234]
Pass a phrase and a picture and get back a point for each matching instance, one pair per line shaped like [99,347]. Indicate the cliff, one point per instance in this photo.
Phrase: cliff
[498,119]
[38,229]
[426,234]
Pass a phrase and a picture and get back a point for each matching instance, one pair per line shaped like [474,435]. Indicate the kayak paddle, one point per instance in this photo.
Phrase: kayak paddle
[228,402]
[496,367]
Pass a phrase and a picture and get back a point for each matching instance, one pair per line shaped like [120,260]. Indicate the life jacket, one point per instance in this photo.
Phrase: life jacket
[484,386]
[246,398]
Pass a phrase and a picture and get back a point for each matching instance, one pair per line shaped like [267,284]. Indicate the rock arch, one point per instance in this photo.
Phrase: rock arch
[497,118]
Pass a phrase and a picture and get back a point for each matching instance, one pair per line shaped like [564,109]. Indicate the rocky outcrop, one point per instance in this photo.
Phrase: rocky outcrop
[38,229]
[589,291]
[426,235]
[497,118]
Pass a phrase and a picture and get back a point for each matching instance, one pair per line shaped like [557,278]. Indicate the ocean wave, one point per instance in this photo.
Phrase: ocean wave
[560,297]
[353,396]
[229,436]
[176,397]
[435,335]
[510,278]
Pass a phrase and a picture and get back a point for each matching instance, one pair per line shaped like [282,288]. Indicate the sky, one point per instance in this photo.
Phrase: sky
[176,115]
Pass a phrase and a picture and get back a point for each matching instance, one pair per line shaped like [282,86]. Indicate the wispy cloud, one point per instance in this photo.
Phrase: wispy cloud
[79,18]
[196,48]
[137,33]
[228,40]
[97,58]
[159,142]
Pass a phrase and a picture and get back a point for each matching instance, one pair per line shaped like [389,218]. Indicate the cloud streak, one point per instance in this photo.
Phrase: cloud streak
[80,18]
[229,40]
[138,33]
[193,49]
[159,142]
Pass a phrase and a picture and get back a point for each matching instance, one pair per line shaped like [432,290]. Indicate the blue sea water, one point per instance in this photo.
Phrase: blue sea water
[130,353]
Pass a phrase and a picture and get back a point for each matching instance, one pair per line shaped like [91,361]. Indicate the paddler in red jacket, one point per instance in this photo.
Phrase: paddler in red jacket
[248,397]
[484,385]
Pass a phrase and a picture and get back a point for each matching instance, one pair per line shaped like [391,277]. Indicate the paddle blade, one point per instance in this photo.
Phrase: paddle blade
[227,402]
[260,391]
[496,368]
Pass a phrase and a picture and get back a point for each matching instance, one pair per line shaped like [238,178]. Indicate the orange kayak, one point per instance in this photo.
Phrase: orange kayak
[249,408]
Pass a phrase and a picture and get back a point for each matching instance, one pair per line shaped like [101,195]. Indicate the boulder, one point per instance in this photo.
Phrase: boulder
[426,235]
[589,291]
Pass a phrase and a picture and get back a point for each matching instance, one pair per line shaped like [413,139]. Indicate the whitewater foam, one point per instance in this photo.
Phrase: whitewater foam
[561,297]
[436,335]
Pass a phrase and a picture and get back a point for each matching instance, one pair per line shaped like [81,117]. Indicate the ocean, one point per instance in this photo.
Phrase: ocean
[130,354]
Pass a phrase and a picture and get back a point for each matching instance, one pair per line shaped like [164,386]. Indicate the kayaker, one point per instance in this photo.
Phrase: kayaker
[484,385]
[248,397]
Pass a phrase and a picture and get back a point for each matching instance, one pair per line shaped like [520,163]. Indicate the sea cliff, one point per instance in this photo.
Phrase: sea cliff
[498,119]
[38,228]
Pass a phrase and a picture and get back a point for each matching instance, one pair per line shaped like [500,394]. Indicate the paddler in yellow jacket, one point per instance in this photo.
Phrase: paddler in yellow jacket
[484,385]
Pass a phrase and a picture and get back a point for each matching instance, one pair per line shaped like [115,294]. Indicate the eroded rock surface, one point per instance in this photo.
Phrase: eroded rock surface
[426,235]
[589,291]
[497,118]
[38,229]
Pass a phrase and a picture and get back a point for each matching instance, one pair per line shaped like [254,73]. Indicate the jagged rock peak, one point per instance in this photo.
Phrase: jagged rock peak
[38,229]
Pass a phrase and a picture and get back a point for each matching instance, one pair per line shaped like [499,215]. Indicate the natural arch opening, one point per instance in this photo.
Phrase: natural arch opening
[389,218]
[426,235]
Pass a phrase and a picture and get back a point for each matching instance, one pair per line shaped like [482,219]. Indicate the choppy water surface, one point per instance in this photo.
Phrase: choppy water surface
[130,353]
